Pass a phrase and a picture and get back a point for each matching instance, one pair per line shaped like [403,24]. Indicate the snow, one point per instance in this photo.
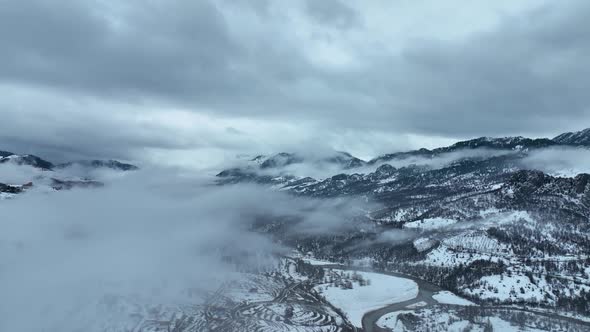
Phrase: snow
[446,297]
[489,211]
[459,326]
[443,256]
[314,261]
[389,321]
[496,186]
[363,262]
[505,288]
[515,216]
[423,244]
[430,223]
[417,305]
[502,325]
[400,214]
[382,291]
[449,321]
[478,241]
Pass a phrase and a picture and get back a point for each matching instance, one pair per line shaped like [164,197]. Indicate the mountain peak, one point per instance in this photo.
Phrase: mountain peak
[5,153]
[282,159]
[25,159]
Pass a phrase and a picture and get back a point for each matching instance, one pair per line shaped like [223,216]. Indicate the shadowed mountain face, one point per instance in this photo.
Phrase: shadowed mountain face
[26,159]
[575,138]
[437,177]
[343,160]
[489,161]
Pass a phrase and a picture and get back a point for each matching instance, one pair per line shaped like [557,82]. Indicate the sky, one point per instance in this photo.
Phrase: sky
[196,82]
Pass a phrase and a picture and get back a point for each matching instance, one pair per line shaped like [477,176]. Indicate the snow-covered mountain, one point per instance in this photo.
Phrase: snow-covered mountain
[470,217]
[340,159]
[481,234]
[574,138]
[25,159]
[518,143]
[20,172]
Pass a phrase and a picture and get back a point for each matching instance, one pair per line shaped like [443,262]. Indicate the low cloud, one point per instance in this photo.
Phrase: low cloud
[444,159]
[152,234]
[559,161]
[317,167]
[17,175]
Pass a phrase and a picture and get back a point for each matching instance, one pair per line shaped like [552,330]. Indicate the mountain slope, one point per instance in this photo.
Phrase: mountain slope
[340,159]
[471,217]
[579,138]
[27,159]
[37,172]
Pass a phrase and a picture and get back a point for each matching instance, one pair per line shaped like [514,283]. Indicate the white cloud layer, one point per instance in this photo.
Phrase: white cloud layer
[101,78]
[152,234]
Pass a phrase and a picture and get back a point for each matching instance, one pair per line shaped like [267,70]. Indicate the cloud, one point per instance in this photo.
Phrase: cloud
[109,48]
[335,70]
[567,162]
[333,12]
[315,165]
[445,159]
[148,236]
[17,175]
[397,236]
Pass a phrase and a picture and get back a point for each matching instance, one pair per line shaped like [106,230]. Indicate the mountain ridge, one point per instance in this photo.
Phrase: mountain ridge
[349,162]
[471,224]
[38,162]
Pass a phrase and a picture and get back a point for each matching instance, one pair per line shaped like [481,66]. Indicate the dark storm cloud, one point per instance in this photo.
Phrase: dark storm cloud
[528,76]
[155,48]
[282,62]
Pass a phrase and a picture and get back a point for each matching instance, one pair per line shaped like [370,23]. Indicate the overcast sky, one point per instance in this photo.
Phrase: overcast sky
[191,81]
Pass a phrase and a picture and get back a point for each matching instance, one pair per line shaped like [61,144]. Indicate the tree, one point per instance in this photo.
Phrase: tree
[488,327]
[289,311]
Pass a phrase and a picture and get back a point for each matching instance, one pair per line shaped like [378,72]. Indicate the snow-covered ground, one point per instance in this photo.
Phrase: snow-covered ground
[502,325]
[445,257]
[314,261]
[417,305]
[505,288]
[430,223]
[423,244]
[446,297]
[476,240]
[381,291]
[437,320]
[389,321]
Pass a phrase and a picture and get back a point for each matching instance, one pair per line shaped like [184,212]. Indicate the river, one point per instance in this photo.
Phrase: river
[425,292]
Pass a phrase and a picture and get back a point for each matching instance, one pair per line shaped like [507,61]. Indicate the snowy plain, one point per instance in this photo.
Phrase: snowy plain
[382,290]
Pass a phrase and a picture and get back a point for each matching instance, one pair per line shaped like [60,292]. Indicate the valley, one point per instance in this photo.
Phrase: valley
[471,236]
